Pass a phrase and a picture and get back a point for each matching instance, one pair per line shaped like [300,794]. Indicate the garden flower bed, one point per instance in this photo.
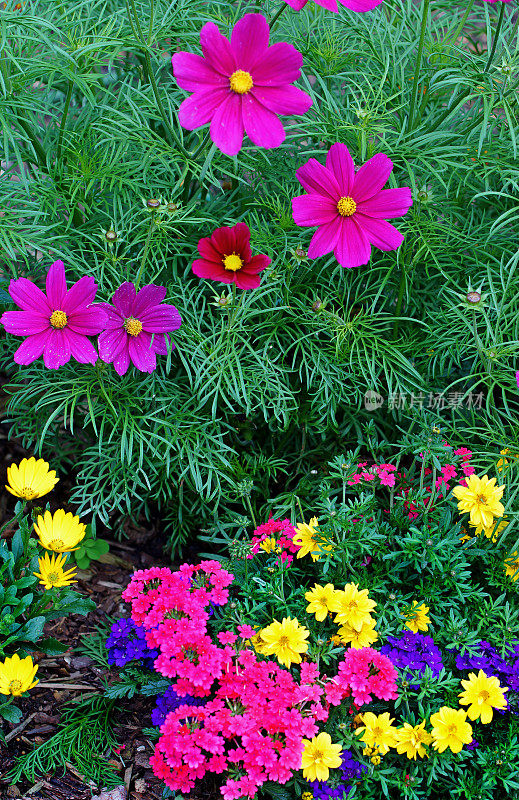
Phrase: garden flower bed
[259,324]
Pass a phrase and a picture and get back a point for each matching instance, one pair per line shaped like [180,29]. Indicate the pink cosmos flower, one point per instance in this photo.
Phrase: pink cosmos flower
[350,208]
[241,84]
[56,324]
[226,257]
[353,5]
[136,328]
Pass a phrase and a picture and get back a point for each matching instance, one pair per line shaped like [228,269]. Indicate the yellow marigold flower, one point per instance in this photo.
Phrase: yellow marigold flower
[285,640]
[51,572]
[488,530]
[503,463]
[319,600]
[305,538]
[257,643]
[30,478]
[412,740]
[450,729]
[17,675]
[377,731]
[269,545]
[480,498]
[59,533]
[482,694]
[417,619]
[511,566]
[307,796]
[372,754]
[319,755]
[353,607]
[363,638]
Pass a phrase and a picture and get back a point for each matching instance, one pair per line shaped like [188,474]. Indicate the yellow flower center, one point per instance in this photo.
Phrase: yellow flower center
[58,319]
[56,544]
[240,82]
[132,326]
[232,262]
[377,732]
[15,686]
[481,498]
[284,641]
[346,206]
[484,695]
[27,493]
[53,577]
[318,756]
[452,729]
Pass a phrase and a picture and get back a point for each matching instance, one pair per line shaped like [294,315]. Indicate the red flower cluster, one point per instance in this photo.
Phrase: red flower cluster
[363,673]
[277,536]
[384,473]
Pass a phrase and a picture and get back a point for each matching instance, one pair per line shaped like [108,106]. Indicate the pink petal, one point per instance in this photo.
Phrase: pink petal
[24,323]
[313,209]
[283,99]
[250,40]
[340,164]
[81,348]
[361,5]
[124,299]
[161,319]
[211,271]
[192,72]
[242,238]
[31,348]
[217,50]
[256,264]
[388,203]
[371,177]
[56,286]
[141,354]
[113,318]
[227,125]
[87,321]
[208,251]
[122,361]
[316,179]
[324,239]
[297,5]
[149,295]
[380,233]
[245,280]
[57,349]
[110,343]
[280,64]
[261,125]
[331,5]
[82,293]
[160,346]
[199,109]
[352,248]
[224,241]
[29,296]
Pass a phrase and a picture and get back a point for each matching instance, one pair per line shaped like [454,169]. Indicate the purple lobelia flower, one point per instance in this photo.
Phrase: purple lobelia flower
[56,324]
[413,652]
[127,642]
[137,327]
[169,701]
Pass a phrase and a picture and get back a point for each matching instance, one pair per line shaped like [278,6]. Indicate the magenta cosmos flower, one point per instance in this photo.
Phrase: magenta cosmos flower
[331,5]
[226,257]
[241,84]
[56,324]
[350,208]
[136,328]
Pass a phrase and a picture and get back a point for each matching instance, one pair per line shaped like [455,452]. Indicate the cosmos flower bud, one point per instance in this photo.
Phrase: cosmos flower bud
[153,204]
[473,297]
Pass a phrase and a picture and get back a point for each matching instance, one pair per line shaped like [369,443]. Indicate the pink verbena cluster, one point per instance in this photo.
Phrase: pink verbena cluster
[363,673]
[253,728]
[456,472]
[382,473]
[276,535]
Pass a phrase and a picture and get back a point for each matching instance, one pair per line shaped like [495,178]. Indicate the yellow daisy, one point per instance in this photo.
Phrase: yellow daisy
[319,755]
[512,565]
[59,533]
[305,538]
[319,600]
[417,619]
[285,640]
[352,607]
[52,574]
[482,694]
[480,498]
[17,675]
[490,531]
[412,740]
[357,639]
[377,731]
[30,478]
[269,545]
[450,729]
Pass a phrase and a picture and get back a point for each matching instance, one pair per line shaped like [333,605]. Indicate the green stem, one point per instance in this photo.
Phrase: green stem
[399,302]
[146,250]
[64,117]
[251,512]
[276,16]
[418,66]
[496,37]
[462,23]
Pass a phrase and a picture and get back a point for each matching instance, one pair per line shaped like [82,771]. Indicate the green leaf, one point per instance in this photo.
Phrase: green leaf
[52,647]
[32,630]
[10,712]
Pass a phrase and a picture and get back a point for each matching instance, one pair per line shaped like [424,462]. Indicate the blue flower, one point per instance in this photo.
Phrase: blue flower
[127,642]
[169,701]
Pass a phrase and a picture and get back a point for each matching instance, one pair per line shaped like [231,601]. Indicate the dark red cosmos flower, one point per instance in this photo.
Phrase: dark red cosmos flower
[226,257]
